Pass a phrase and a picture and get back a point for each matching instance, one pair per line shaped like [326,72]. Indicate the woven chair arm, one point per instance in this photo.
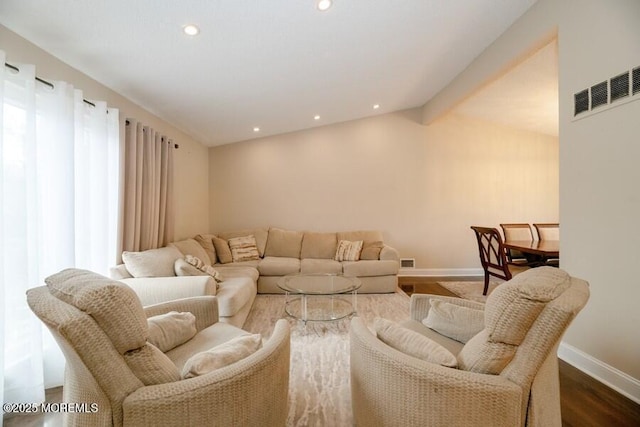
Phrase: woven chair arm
[420,304]
[393,389]
[252,391]
[204,308]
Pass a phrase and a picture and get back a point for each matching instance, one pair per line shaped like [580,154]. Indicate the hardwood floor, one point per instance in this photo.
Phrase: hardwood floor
[585,402]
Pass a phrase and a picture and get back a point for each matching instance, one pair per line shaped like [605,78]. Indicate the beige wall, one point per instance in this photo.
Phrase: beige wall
[191,163]
[423,186]
[599,175]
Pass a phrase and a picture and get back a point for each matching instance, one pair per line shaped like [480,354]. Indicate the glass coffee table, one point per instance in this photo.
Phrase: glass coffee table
[320,297]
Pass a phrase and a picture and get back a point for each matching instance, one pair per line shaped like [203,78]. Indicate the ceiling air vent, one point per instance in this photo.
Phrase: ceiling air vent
[619,86]
[599,94]
[581,102]
[636,80]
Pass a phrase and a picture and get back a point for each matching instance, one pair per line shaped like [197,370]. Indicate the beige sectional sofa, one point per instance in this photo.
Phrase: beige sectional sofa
[254,260]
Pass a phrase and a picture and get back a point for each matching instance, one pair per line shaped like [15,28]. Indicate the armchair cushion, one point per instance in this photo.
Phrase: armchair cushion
[169,330]
[222,355]
[151,263]
[454,321]
[151,366]
[412,343]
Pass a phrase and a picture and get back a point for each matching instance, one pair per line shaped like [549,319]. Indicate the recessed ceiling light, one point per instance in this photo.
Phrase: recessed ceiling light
[324,5]
[256,129]
[316,117]
[376,106]
[191,30]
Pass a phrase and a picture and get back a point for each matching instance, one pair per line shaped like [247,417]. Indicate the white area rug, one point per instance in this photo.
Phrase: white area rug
[470,290]
[319,383]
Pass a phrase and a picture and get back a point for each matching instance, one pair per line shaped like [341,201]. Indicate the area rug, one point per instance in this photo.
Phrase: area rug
[469,290]
[319,382]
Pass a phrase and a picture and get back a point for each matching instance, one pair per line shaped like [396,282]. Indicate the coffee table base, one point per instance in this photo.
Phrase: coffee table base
[320,308]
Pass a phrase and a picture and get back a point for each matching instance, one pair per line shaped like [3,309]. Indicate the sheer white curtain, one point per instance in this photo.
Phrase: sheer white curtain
[58,209]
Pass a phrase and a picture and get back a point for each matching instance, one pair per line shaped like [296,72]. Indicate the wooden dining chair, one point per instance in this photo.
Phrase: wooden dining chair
[518,231]
[492,254]
[549,231]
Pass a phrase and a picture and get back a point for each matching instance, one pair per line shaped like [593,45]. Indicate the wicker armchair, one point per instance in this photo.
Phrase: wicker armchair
[391,388]
[102,330]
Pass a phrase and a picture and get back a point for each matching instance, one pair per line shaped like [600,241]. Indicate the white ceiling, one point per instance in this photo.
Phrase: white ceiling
[273,64]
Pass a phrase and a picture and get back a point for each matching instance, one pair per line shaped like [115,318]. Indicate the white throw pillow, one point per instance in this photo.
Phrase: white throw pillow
[412,343]
[222,355]
[151,263]
[348,251]
[454,321]
[167,331]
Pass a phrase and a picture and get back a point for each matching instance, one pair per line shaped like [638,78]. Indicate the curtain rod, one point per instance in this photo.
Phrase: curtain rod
[44,82]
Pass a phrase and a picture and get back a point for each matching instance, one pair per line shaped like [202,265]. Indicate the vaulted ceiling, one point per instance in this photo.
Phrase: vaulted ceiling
[279,65]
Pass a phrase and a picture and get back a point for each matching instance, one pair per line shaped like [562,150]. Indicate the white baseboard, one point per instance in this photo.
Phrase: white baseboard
[608,375]
[441,272]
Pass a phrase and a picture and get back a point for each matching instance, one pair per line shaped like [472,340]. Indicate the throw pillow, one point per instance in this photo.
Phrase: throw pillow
[412,343]
[151,263]
[183,268]
[205,240]
[348,251]
[222,250]
[454,321]
[371,250]
[151,366]
[201,266]
[169,330]
[243,248]
[222,355]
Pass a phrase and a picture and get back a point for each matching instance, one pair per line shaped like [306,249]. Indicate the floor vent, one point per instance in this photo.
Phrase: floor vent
[617,90]
[407,263]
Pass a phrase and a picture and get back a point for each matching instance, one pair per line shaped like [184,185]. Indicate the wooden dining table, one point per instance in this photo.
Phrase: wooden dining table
[545,248]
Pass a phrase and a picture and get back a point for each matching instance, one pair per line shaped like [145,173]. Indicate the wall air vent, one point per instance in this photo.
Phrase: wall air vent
[407,263]
[599,95]
[619,86]
[618,90]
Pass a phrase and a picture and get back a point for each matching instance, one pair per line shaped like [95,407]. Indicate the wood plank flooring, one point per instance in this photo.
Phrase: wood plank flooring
[585,402]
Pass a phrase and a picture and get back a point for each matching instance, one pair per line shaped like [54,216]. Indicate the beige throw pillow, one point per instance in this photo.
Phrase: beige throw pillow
[169,330]
[371,250]
[454,321]
[412,343]
[222,250]
[204,268]
[348,251]
[222,355]
[244,248]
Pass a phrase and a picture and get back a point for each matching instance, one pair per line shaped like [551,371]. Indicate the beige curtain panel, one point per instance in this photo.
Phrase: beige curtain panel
[148,216]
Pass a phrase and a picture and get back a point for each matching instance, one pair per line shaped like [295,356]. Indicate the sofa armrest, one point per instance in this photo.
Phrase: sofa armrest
[390,254]
[205,309]
[420,303]
[154,290]
[119,272]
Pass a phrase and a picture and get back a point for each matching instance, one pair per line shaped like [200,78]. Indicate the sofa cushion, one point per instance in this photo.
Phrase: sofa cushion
[369,268]
[284,243]
[171,329]
[152,263]
[222,355]
[413,343]
[364,235]
[205,240]
[454,321]
[319,245]
[348,251]
[371,249]
[260,235]
[233,294]
[243,248]
[278,266]
[313,266]
[229,270]
[223,252]
[193,248]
